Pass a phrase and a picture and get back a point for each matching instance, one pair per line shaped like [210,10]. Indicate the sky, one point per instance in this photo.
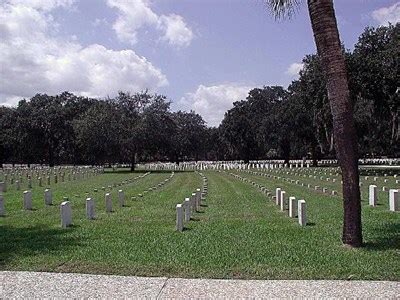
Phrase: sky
[202,54]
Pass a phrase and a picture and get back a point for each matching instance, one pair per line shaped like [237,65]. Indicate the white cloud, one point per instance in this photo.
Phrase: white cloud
[133,15]
[45,5]
[32,61]
[294,69]
[212,102]
[176,31]
[385,15]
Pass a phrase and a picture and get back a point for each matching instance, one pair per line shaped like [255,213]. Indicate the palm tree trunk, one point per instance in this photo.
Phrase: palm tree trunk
[326,37]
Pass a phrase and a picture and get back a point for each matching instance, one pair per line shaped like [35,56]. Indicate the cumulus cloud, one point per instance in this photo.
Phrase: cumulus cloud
[384,15]
[213,101]
[294,69]
[45,5]
[33,61]
[176,31]
[132,15]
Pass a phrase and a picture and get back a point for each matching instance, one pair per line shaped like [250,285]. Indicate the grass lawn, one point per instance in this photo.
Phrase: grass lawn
[239,233]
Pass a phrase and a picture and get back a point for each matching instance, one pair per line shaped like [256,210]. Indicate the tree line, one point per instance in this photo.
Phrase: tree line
[273,122]
[296,122]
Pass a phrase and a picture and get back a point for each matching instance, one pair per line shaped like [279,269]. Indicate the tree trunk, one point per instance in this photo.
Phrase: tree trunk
[51,157]
[327,40]
[133,162]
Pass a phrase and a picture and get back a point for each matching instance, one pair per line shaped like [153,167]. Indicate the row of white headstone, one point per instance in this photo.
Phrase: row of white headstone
[316,188]
[190,205]
[72,175]
[295,208]
[393,198]
[66,213]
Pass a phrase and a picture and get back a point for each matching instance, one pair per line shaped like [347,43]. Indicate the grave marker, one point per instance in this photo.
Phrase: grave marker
[27,200]
[394,200]
[48,197]
[278,196]
[372,195]
[66,214]
[292,207]
[301,211]
[2,209]
[179,217]
[90,214]
[187,209]
[121,198]
[283,200]
[108,202]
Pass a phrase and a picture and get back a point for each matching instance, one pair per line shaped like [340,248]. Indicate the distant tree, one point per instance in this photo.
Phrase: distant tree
[190,135]
[237,132]
[98,132]
[374,68]
[8,136]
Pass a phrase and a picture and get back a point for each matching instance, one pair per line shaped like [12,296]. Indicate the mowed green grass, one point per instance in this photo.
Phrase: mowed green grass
[239,232]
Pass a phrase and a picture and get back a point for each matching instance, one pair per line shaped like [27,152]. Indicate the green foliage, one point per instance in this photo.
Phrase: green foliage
[298,123]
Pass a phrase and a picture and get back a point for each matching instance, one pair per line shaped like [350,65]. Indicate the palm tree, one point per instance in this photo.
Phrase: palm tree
[326,35]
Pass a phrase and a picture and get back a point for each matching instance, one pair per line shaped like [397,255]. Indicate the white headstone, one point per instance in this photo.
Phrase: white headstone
[187,209]
[179,217]
[198,195]
[193,202]
[394,200]
[292,207]
[3,187]
[2,209]
[48,199]
[66,214]
[28,200]
[278,196]
[301,212]
[373,193]
[121,198]
[90,214]
[108,202]
[283,200]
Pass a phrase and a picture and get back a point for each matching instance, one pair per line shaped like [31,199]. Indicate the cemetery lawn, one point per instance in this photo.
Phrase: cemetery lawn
[239,233]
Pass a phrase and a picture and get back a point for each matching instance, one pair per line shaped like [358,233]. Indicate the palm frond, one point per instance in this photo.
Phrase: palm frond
[282,9]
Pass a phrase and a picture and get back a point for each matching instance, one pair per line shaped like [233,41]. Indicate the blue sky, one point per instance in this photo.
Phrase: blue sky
[202,54]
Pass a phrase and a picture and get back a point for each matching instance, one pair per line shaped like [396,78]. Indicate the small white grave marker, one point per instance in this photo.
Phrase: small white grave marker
[187,209]
[2,209]
[48,197]
[283,200]
[292,207]
[90,214]
[278,196]
[121,198]
[394,200]
[179,217]
[108,202]
[301,212]
[372,195]
[28,200]
[66,214]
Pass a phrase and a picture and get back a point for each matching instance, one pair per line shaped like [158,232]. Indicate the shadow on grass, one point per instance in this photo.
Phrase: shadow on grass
[31,241]
[388,238]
